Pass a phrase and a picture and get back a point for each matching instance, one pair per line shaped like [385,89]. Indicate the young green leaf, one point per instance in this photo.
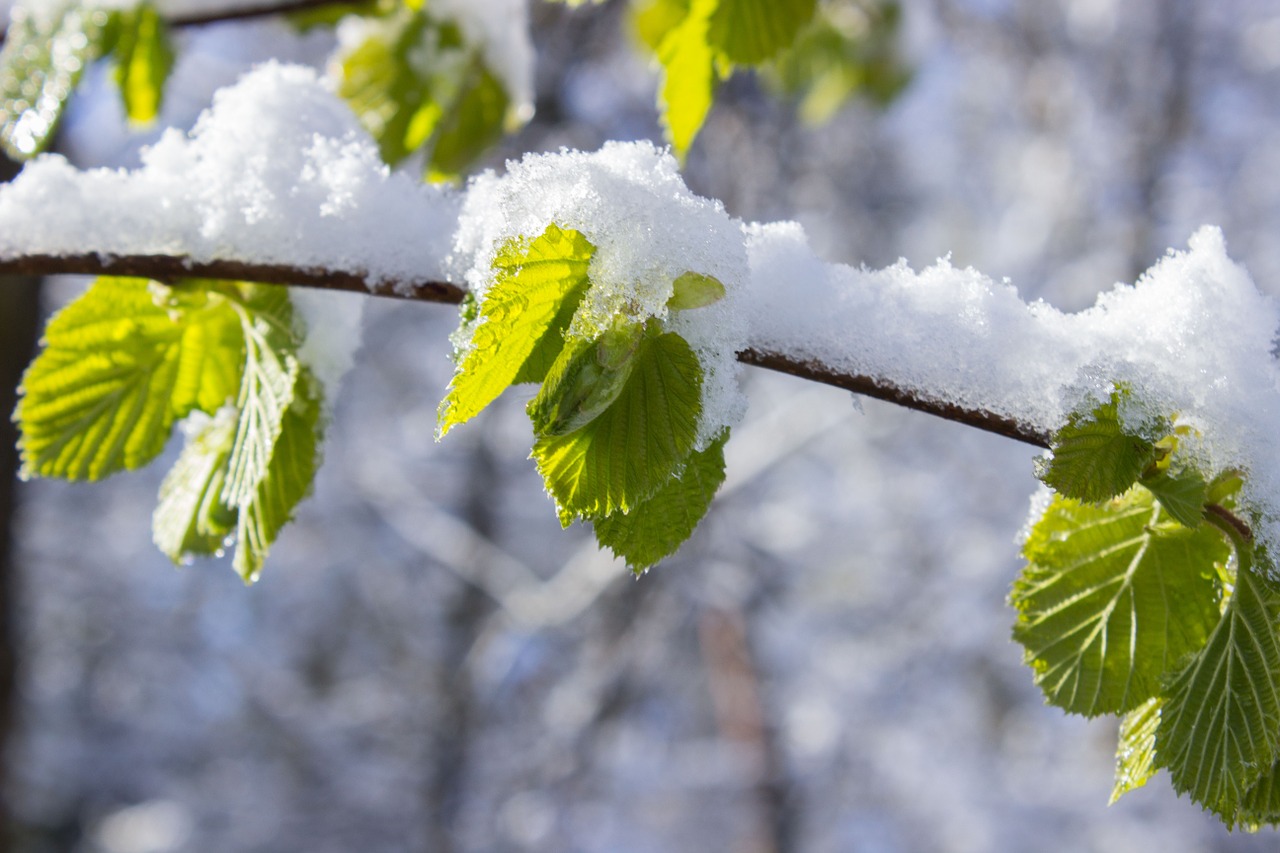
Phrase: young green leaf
[693,290]
[1113,597]
[1094,458]
[1261,803]
[477,120]
[144,58]
[851,48]
[43,58]
[288,478]
[634,447]
[190,517]
[652,20]
[656,527]
[1220,723]
[748,32]
[119,365]
[270,375]
[689,76]
[415,82]
[585,380]
[1135,753]
[522,315]
[1182,492]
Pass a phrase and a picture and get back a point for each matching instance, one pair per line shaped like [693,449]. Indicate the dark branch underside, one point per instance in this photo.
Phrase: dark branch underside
[170,269]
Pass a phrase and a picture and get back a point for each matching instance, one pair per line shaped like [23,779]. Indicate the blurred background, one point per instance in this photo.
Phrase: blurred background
[430,663]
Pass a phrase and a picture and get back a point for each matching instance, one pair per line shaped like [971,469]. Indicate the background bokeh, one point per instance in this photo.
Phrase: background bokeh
[431,664]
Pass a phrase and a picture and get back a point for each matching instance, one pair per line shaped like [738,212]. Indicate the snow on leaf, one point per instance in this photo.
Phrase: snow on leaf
[1094,458]
[522,316]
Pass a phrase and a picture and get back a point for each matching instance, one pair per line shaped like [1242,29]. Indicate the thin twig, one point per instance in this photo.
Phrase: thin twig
[245,11]
[168,268]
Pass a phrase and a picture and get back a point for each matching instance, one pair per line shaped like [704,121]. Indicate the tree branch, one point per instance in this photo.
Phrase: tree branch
[170,269]
[244,11]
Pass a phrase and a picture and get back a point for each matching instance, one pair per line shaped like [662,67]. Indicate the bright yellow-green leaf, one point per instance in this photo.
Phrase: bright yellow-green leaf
[522,315]
[1114,596]
[656,527]
[631,450]
[652,20]
[689,76]
[144,58]
[119,365]
[1135,753]
[748,32]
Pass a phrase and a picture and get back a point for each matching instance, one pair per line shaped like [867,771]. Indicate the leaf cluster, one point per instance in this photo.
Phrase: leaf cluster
[617,414]
[1145,596]
[127,360]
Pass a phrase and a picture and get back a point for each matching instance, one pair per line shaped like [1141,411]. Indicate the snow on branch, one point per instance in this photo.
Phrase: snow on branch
[278,183]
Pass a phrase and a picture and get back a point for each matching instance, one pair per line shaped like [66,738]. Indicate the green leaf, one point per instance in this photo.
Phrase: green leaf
[632,449]
[190,517]
[1135,754]
[43,58]
[1220,723]
[288,479]
[748,32]
[119,365]
[415,82]
[652,20]
[476,121]
[585,380]
[1094,458]
[271,371]
[693,290]
[1114,596]
[144,58]
[1182,492]
[655,528]
[520,318]
[849,49]
[689,76]
[1261,803]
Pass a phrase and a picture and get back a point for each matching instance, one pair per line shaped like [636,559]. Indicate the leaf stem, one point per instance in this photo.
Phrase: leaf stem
[1240,534]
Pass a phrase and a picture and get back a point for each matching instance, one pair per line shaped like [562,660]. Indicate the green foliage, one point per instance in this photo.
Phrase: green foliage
[1220,724]
[828,51]
[1136,753]
[41,63]
[618,412]
[416,83]
[1157,604]
[144,58]
[1094,457]
[121,364]
[850,48]
[642,440]
[658,525]
[522,318]
[1114,596]
[118,367]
